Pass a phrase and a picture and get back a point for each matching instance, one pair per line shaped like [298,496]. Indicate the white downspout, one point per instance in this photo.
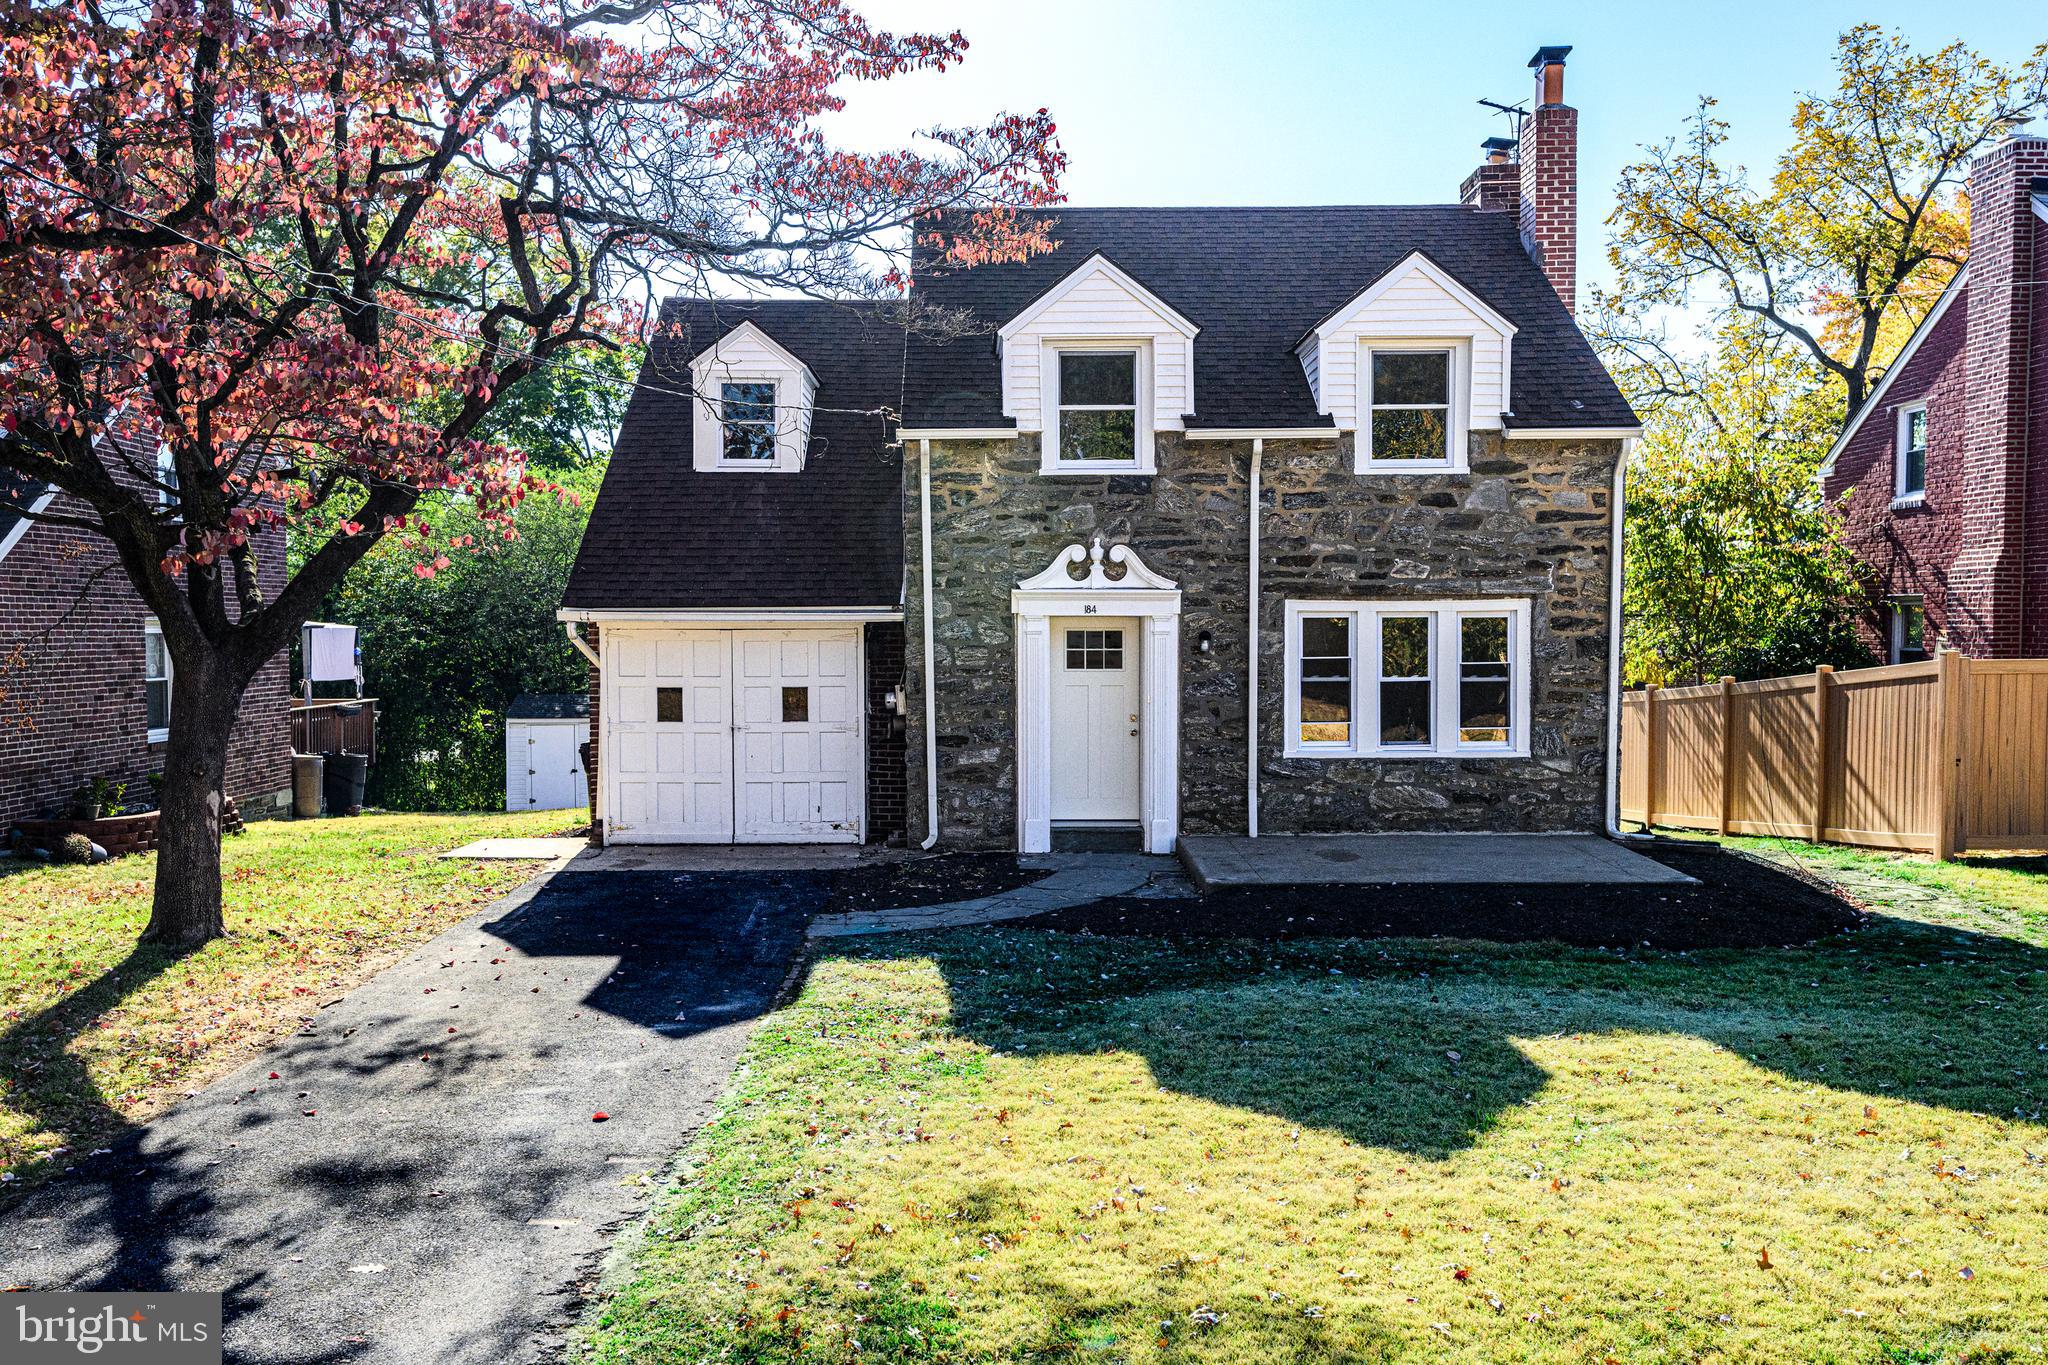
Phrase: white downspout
[931,701]
[582,645]
[1251,726]
[1619,505]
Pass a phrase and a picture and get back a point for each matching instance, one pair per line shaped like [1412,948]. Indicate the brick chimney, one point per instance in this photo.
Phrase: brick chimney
[1495,186]
[1549,181]
[1998,585]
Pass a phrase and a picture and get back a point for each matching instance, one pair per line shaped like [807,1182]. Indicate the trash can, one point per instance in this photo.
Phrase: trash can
[343,782]
[306,784]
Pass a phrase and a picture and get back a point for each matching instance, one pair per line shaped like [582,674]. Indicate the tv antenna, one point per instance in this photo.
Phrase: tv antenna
[1514,111]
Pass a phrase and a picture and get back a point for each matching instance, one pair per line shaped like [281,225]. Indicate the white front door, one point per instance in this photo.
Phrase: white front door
[797,734]
[668,714]
[1095,719]
[722,736]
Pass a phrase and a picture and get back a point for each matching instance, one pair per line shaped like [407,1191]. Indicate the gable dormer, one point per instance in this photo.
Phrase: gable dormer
[1098,364]
[1414,364]
[753,405]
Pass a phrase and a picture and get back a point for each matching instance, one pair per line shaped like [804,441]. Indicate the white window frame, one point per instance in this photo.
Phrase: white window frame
[1445,645]
[1901,495]
[1144,436]
[1895,629]
[1457,416]
[725,375]
[153,629]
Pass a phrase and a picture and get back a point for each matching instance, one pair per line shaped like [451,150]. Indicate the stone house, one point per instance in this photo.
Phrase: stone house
[85,681]
[1288,520]
[1941,477]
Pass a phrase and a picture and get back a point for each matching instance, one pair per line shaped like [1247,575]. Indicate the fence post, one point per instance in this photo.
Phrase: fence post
[1823,679]
[1649,757]
[1727,754]
[1948,710]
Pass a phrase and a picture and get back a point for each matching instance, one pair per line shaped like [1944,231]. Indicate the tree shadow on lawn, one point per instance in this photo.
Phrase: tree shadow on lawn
[1410,1043]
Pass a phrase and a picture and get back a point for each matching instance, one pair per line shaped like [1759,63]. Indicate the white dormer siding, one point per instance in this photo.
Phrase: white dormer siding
[747,358]
[1098,308]
[1416,306]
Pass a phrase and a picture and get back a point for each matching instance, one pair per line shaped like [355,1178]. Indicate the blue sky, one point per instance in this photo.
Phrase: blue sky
[1320,102]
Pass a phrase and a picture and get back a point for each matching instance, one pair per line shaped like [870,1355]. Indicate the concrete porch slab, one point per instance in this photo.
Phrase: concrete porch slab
[520,850]
[1218,861]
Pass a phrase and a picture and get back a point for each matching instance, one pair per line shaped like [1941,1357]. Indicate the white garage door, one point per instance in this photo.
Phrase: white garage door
[687,710]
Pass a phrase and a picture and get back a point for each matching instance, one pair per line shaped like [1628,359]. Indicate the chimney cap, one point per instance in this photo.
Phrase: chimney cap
[1550,56]
[1499,144]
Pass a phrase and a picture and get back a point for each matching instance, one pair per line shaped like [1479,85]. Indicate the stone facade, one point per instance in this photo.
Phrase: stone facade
[1531,519]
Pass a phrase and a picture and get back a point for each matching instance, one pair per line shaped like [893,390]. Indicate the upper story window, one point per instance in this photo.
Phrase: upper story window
[752,406]
[747,410]
[1910,485]
[1408,421]
[156,683]
[1098,408]
[1408,679]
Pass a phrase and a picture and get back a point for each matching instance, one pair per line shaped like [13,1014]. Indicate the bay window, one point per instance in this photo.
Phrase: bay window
[1408,679]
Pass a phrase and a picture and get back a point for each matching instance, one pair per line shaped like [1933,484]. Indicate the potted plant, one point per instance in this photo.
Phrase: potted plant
[93,798]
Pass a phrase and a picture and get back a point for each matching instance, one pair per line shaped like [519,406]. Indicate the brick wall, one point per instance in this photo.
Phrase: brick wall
[71,669]
[591,757]
[1910,551]
[1495,187]
[887,777]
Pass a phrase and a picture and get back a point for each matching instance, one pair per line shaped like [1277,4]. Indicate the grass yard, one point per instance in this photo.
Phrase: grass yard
[1004,1145]
[96,1033]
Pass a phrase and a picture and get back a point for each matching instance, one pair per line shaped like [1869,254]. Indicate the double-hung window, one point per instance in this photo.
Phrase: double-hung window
[1098,393]
[1910,484]
[1411,410]
[747,414]
[1909,630]
[156,683]
[1408,679]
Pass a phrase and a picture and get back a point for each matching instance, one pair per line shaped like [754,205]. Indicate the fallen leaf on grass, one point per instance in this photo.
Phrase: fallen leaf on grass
[1763,1258]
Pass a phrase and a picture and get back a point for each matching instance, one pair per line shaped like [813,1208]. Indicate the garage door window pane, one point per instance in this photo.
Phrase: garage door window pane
[668,704]
[796,705]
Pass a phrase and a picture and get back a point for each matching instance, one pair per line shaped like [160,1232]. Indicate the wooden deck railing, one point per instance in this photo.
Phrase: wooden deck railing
[1938,757]
[322,727]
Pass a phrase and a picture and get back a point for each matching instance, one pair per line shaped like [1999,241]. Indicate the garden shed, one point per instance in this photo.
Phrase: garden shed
[544,735]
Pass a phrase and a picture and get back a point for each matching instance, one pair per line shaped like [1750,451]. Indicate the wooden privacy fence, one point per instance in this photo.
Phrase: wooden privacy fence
[1937,757]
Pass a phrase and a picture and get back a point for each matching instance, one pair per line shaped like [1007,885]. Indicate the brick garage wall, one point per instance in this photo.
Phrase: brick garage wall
[1910,551]
[71,670]
[595,754]
[883,645]
[1530,520]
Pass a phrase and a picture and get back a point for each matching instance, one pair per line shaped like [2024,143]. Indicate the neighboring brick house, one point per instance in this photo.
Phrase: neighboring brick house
[85,683]
[1941,478]
[1281,519]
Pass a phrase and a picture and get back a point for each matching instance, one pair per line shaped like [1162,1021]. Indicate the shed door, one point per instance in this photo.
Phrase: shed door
[668,716]
[555,776]
[797,734]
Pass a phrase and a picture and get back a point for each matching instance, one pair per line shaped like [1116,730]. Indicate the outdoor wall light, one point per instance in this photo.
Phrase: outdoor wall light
[1205,642]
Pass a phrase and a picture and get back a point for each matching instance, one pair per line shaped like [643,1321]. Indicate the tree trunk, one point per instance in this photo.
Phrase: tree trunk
[204,704]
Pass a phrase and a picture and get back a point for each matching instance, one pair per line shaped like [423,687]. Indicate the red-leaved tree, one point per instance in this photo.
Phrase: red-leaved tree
[307,244]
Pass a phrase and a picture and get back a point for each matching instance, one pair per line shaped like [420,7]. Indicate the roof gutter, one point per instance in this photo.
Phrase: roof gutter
[1619,504]
[1627,433]
[908,434]
[582,645]
[1261,434]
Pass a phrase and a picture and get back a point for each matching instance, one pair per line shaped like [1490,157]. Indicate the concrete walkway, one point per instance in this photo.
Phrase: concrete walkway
[1075,879]
[422,1182]
[1215,862]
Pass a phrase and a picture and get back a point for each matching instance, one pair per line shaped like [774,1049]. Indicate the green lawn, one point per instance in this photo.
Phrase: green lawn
[96,1034]
[1004,1145]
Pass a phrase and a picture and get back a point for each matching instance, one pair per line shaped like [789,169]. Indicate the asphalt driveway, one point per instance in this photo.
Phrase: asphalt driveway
[422,1179]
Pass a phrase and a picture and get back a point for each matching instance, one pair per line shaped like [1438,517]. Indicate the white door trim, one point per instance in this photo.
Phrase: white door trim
[1136,592]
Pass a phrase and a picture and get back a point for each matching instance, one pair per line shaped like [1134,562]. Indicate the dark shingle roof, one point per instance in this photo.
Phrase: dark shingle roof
[662,535]
[1255,280]
[549,706]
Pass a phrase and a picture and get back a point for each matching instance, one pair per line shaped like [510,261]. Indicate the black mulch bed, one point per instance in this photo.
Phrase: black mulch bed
[901,884]
[1741,902]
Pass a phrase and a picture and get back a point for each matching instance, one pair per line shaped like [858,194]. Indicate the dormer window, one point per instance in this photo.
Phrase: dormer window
[748,413]
[1098,408]
[1408,408]
[753,403]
